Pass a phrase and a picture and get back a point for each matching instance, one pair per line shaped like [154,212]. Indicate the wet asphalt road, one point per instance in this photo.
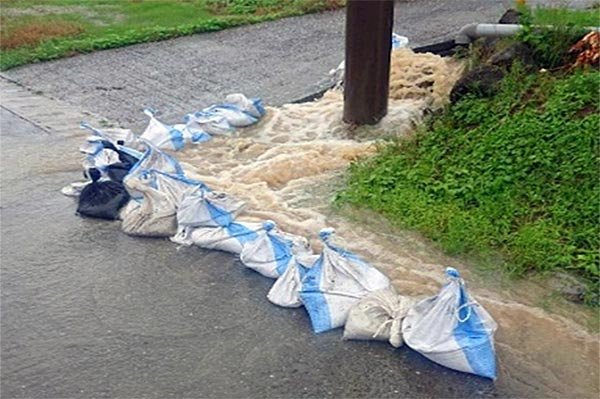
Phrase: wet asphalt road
[87,311]
[279,61]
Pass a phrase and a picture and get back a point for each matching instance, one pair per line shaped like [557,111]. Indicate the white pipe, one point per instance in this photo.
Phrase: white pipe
[470,32]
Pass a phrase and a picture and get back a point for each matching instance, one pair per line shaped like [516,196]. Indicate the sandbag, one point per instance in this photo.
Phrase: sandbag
[161,135]
[127,158]
[74,189]
[126,155]
[234,115]
[399,41]
[154,158]
[117,171]
[174,187]
[252,106]
[202,208]
[150,217]
[222,119]
[123,137]
[273,251]
[230,238]
[160,196]
[285,291]
[378,316]
[453,330]
[192,135]
[130,207]
[336,281]
[92,146]
[104,155]
[209,122]
[102,199]
[100,160]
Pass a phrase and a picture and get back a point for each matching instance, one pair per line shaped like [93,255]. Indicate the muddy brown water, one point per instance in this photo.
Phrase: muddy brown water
[88,311]
[546,347]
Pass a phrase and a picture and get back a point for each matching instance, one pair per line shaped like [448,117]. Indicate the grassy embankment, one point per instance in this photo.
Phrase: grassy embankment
[514,176]
[32,31]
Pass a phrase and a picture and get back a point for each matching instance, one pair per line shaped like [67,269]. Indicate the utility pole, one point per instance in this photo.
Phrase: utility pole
[367,71]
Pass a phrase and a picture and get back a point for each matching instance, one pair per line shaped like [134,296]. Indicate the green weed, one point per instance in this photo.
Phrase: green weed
[516,173]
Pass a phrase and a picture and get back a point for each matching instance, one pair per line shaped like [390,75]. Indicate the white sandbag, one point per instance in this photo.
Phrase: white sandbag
[230,238]
[101,160]
[192,135]
[152,217]
[96,155]
[91,146]
[161,194]
[378,316]
[285,291]
[74,189]
[234,116]
[208,209]
[453,330]
[336,281]
[209,122]
[131,206]
[161,135]
[174,187]
[399,41]
[154,158]
[114,135]
[253,106]
[272,251]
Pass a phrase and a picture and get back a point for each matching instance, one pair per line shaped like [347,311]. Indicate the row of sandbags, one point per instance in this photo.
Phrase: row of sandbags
[236,111]
[110,155]
[153,197]
[219,119]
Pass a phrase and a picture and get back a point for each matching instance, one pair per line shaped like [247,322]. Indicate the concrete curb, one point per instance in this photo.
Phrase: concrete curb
[48,114]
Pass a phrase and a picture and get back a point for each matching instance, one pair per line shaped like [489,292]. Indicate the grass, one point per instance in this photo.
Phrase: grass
[514,176]
[517,173]
[32,31]
[510,180]
[550,16]
[551,46]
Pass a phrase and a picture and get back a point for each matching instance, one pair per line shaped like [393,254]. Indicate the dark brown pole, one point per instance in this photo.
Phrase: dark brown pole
[367,72]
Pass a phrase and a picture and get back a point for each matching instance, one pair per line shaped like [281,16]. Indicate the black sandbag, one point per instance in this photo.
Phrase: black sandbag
[117,171]
[102,199]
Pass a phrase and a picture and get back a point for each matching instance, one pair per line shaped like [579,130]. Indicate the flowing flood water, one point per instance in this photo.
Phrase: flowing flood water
[90,312]
[287,168]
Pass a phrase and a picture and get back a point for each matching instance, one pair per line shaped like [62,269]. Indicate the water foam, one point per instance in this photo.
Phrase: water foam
[287,168]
